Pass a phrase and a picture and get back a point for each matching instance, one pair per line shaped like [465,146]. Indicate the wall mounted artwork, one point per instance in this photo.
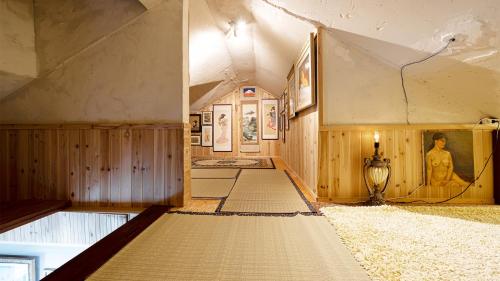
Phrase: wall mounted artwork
[248,92]
[206,118]
[206,136]
[292,93]
[305,75]
[195,140]
[195,121]
[269,119]
[18,268]
[249,122]
[222,131]
[448,158]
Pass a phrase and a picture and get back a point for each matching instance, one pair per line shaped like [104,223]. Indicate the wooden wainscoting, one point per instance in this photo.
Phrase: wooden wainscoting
[268,148]
[300,150]
[94,165]
[343,148]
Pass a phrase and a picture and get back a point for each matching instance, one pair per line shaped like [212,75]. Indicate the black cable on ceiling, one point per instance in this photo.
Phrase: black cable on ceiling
[403,67]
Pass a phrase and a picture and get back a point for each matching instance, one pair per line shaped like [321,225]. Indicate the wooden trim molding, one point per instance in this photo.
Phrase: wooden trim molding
[17,213]
[90,260]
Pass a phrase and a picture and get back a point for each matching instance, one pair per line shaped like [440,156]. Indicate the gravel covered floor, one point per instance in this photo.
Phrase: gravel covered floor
[422,242]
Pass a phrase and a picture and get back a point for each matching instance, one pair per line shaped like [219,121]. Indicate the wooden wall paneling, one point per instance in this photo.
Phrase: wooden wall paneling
[187,163]
[159,165]
[127,168]
[74,165]
[136,168]
[110,166]
[267,147]
[147,167]
[402,145]
[104,168]
[12,171]
[23,188]
[115,161]
[4,163]
[62,170]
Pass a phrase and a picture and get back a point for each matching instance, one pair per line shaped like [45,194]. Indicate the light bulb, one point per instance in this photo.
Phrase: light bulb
[376,136]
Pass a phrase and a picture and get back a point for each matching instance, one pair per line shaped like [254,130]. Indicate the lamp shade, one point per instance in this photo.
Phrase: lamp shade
[378,175]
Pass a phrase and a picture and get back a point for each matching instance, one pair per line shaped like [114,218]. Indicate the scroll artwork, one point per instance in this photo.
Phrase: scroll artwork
[206,136]
[249,122]
[449,159]
[222,133]
[269,119]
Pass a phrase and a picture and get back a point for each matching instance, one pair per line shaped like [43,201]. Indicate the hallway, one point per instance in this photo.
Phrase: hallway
[264,229]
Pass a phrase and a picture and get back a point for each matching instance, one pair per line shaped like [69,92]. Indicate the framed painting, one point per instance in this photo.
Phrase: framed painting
[249,122]
[305,76]
[448,159]
[206,118]
[269,119]
[283,120]
[223,128]
[292,93]
[248,92]
[195,140]
[195,121]
[20,267]
[206,136]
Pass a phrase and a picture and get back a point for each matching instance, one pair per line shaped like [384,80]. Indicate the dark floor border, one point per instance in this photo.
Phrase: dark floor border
[229,167]
[309,205]
[243,214]
[87,262]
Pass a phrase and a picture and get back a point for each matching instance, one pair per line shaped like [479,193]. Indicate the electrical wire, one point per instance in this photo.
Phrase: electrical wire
[468,186]
[415,62]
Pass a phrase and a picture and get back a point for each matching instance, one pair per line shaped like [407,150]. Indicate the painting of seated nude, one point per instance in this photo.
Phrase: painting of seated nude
[448,158]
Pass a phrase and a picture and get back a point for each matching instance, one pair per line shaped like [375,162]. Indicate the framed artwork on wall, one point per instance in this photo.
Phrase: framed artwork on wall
[269,119]
[222,128]
[206,118]
[20,267]
[195,140]
[283,120]
[292,93]
[206,136]
[448,159]
[249,122]
[195,121]
[305,76]
[248,92]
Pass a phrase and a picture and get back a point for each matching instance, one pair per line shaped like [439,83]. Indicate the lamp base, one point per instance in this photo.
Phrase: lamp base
[376,200]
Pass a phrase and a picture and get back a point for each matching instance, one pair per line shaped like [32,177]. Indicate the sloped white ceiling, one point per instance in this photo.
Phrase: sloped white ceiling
[392,32]
[261,54]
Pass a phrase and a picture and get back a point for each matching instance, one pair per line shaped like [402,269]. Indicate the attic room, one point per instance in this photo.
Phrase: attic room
[249,140]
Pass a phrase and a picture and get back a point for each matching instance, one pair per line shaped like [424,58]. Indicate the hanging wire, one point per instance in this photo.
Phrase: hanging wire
[416,62]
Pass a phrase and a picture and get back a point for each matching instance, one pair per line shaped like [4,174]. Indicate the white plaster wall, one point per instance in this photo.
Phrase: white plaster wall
[358,88]
[18,63]
[17,38]
[135,74]
[361,87]
[63,28]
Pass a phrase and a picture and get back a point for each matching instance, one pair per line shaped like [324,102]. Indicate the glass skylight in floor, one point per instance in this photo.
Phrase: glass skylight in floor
[32,251]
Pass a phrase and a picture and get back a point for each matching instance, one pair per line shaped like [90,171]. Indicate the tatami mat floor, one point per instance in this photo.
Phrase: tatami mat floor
[201,247]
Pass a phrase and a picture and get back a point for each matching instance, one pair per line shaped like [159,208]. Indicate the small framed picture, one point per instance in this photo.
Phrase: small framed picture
[21,267]
[206,118]
[195,121]
[248,92]
[195,140]
[206,136]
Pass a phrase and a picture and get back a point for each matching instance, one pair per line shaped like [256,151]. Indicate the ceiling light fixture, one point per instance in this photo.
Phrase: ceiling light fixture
[237,27]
